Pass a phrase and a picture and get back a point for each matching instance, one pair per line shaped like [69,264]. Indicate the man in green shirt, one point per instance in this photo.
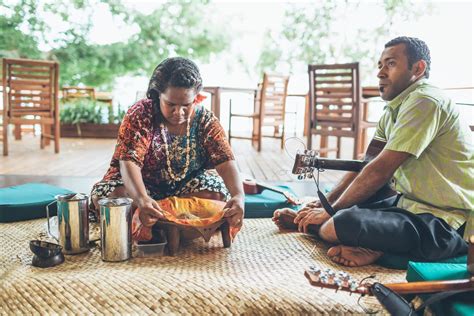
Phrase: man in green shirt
[429,159]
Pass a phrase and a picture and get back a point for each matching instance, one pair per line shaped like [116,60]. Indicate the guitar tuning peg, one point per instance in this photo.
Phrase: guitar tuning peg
[310,175]
[353,285]
[300,177]
[324,280]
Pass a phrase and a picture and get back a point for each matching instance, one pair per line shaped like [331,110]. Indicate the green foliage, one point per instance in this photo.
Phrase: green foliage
[319,32]
[81,111]
[89,111]
[175,28]
[20,30]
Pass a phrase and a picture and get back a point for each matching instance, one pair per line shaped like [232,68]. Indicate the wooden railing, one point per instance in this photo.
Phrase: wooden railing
[465,99]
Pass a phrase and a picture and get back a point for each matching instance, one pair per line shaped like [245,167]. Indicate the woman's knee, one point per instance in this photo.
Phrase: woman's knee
[117,192]
[207,195]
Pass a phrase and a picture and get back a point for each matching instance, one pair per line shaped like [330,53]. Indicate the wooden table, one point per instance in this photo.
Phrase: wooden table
[104,97]
[370,92]
[216,92]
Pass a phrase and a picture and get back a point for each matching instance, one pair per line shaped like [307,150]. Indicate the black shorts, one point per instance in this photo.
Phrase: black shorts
[383,227]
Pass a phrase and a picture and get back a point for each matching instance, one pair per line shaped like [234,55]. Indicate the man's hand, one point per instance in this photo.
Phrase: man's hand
[150,212]
[234,211]
[312,205]
[317,216]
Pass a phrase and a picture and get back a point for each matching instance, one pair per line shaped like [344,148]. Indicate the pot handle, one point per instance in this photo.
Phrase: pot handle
[47,218]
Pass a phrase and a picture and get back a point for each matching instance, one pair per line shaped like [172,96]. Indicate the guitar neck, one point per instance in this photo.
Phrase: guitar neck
[431,286]
[309,160]
[271,188]
[401,288]
[339,164]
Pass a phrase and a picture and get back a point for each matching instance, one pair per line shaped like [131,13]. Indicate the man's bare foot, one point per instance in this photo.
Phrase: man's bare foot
[284,219]
[353,256]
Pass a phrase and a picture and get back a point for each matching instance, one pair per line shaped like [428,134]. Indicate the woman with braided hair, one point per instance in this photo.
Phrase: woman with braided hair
[169,145]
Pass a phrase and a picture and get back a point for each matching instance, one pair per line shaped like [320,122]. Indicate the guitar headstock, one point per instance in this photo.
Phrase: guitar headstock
[304,164]
[339,281]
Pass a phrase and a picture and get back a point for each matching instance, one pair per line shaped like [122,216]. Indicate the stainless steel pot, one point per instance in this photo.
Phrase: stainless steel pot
[115,228]
[73,222]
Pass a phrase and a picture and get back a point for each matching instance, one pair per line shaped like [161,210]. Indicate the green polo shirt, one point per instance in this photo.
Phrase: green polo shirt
[438,177]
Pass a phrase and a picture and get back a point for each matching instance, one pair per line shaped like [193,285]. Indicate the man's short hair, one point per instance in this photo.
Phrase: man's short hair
[416,50]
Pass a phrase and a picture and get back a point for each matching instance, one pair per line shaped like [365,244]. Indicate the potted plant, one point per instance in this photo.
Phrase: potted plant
[89,118]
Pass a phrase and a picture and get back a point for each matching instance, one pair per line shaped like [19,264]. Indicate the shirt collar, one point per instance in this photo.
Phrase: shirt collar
[395,103]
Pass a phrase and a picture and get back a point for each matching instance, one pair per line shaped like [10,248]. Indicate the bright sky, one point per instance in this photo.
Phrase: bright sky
[448,31]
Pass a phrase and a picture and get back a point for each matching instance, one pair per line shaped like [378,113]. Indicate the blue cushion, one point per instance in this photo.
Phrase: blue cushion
[264,204]
[392,261]
[458,305]
[27,201]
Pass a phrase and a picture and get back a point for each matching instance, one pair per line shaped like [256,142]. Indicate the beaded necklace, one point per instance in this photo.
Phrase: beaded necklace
[174,176]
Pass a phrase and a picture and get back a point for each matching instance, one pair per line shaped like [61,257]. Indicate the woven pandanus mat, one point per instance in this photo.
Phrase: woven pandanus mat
[262,273]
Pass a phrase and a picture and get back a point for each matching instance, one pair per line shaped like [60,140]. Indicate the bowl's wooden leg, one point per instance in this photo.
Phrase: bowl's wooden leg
[225,231]
[172,233]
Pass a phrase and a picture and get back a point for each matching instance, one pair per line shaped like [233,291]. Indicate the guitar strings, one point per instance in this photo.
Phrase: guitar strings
[299,140]
[312,250]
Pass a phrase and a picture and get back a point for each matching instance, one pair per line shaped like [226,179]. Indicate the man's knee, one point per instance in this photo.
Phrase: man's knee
[328,232]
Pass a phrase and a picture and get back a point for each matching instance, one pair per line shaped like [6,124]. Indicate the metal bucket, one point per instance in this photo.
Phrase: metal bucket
[73,222]
[115,228]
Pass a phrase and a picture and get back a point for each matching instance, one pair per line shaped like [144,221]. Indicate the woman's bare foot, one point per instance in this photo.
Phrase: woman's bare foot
[284,219]
[353,256]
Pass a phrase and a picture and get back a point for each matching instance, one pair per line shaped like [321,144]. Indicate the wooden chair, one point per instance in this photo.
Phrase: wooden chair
[30,96]
[335,106]
[78,93]
[269,110]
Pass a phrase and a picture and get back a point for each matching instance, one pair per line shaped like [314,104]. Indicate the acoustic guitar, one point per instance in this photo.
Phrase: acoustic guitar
[253,187]
[342,281]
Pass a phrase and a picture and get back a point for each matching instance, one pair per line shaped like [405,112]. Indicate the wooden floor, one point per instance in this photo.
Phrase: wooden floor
[86,161]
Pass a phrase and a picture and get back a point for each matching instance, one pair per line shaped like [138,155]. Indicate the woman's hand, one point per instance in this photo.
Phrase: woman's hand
[234,211]
[150,212]
[316,216]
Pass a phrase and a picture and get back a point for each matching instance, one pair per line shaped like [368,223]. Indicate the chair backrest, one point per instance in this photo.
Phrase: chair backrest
[335,97]
[271,99]
[30,87]
[70,93]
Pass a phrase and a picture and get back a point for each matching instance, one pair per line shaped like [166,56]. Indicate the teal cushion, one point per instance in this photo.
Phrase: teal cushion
[392,261]
[27,201]
[264,204]
[458,305]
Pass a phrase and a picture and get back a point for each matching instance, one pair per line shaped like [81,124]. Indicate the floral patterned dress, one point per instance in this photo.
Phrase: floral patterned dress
[142,143]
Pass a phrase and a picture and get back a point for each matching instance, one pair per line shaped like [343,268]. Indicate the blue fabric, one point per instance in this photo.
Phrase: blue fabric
[27,201]
[458,305]
[392,261]
[264,204]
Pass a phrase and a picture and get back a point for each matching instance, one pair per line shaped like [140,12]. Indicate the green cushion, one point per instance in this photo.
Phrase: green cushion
[264,204]
[458,305]
[392,261]
[27,201]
